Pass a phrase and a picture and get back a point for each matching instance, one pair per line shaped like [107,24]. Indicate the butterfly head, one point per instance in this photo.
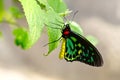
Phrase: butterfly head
[66,30]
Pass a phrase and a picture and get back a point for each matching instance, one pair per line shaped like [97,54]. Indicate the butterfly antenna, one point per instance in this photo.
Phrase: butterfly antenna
[65,19]
[74,16]
[53,41]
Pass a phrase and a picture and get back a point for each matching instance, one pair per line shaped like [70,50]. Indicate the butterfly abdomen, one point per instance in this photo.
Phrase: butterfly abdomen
[63,48]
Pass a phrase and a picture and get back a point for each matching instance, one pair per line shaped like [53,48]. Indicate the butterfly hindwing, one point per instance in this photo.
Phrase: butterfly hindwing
[80,49]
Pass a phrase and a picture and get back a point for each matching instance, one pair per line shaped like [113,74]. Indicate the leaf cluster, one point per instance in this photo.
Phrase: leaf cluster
[39,14]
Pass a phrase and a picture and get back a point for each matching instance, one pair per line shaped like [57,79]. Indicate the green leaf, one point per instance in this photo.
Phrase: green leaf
[76,28]
[92,39]
[38,13]
[1,10]
[58,5]
[21,37]
[16,12]
[1,5]
[53,34]
[35,18]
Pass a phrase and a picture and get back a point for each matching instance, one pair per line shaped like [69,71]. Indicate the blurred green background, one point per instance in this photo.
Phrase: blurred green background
[100,18]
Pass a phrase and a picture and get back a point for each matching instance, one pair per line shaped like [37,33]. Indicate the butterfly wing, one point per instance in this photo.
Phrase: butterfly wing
[80,49]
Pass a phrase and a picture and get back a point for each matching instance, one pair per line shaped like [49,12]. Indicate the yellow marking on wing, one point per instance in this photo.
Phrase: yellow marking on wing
[62,52]
[79,45]
[80,51]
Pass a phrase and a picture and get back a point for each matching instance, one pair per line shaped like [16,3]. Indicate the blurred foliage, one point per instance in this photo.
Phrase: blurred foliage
[38,13]
[16,12]
[1,34]
[92,39]
[58,5]
[21,36]
[1,9]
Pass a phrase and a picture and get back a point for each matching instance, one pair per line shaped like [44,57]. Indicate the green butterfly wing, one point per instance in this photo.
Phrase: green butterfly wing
[80,49]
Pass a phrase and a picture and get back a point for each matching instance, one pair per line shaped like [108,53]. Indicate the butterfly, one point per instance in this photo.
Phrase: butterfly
[75,47]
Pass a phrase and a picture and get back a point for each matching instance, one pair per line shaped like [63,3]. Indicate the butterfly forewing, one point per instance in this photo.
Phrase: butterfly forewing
[80,49]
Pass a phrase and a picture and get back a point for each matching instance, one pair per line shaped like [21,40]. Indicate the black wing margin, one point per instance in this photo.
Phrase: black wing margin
[89,53]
